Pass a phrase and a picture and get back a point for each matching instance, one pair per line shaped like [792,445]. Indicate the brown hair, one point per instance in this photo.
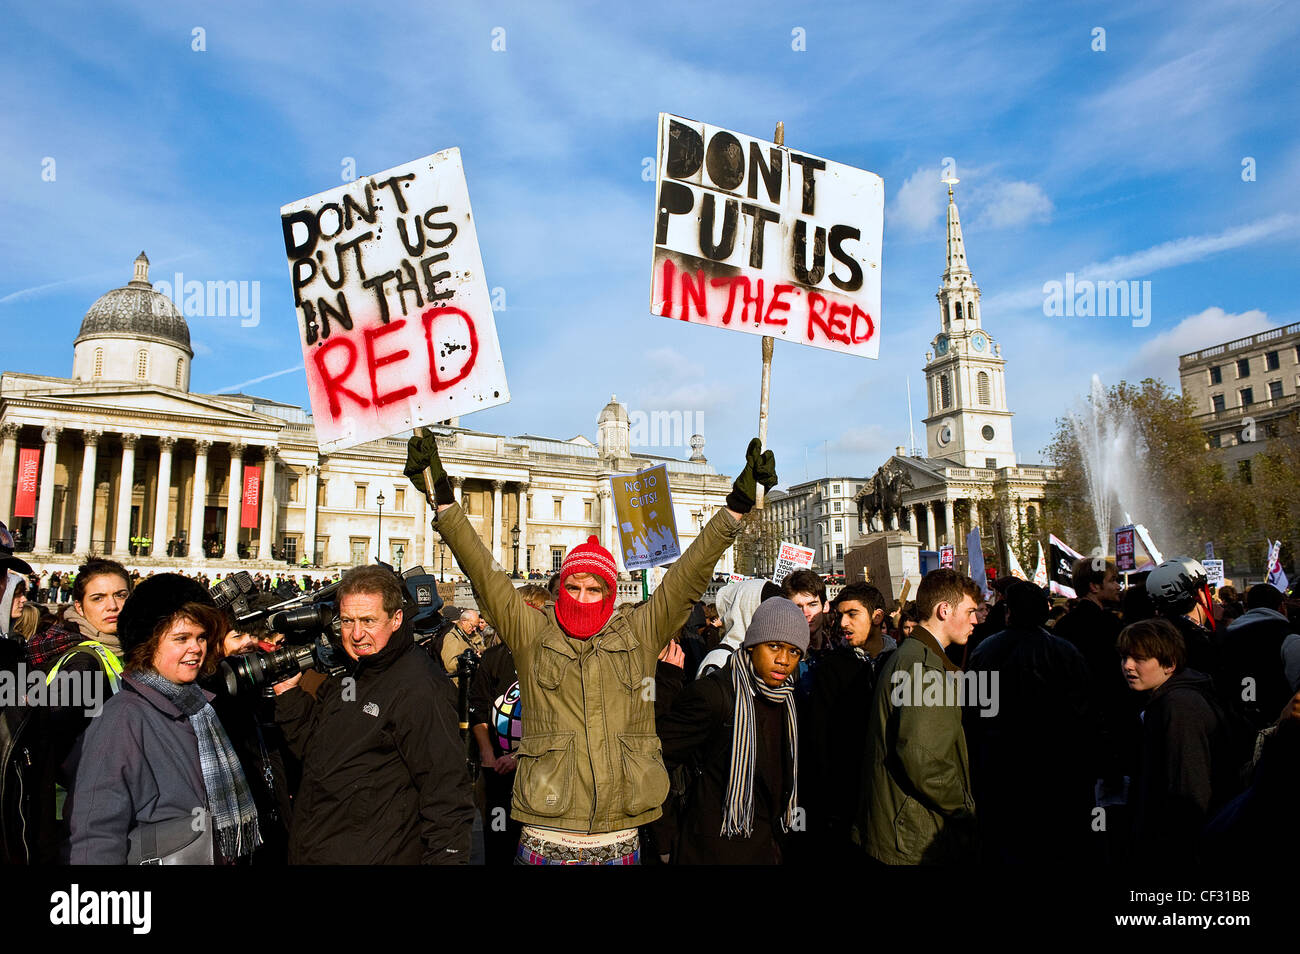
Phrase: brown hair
[93,568]
[211,619]
[806,582]
[535,596]
[373,581]
[1156,639]
[943,586]
[1083,574]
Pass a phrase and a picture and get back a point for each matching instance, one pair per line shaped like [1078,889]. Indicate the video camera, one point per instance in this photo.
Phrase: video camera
[310,624]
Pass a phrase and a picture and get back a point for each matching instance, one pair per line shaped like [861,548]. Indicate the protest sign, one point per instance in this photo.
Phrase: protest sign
[1062,568]
[736,578]
[1040,571]
[1213,573]
[252,484]
[29,466]
[975,562]
[647,526]
[789,558]
[1125,549]
[393,307]
[755,237]
[946,555]
[1276,575]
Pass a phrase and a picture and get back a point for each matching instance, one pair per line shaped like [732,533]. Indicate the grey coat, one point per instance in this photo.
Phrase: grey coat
[138,763]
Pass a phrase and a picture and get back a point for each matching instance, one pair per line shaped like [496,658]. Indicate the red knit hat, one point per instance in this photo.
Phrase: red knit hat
[584,620]
[590,557]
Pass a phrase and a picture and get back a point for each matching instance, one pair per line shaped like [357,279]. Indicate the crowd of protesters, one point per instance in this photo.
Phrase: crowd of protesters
[549,726]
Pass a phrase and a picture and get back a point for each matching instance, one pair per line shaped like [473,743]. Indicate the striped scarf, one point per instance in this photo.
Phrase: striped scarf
[234,815]
[738,810]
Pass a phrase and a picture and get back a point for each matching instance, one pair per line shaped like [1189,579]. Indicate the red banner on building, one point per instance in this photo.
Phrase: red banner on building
[29,471]
[252,484]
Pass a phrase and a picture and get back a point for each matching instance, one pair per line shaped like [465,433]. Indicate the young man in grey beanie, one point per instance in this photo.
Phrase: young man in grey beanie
[737,732]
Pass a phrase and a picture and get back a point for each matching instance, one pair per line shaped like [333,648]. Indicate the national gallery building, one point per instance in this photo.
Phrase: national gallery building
[121,459]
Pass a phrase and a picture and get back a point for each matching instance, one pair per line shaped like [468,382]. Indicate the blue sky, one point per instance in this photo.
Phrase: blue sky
[1124,163]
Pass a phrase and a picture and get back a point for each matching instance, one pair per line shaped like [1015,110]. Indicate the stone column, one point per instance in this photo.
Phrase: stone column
[199,498]
[974,514]
[930,538]
[608,531]
[523,528]
[45,507]
[125,484]
[8,456]
[496,521]
[162,499]
[309,531]
[86,492]
[456,484]
[949,529]
[266,529]
[234,498]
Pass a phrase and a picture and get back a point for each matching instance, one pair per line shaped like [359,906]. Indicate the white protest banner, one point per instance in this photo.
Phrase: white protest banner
[767,240]
[393,307]
[646,523]
[1213,573]
[1040,571]
[737,578]
[789,558]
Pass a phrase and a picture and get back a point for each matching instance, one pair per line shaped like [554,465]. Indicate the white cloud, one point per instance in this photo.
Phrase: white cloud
[1015,203]
[1158,358]
[919,201]
[1192,248]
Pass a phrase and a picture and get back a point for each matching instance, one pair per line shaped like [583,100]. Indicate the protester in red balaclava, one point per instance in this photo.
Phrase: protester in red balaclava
[587,590]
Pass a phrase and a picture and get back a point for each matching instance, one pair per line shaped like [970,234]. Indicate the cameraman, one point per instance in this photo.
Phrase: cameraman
[384,778]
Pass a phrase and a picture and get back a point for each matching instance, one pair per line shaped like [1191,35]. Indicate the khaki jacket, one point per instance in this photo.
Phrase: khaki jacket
[454,643]
[590,760]
[917,805]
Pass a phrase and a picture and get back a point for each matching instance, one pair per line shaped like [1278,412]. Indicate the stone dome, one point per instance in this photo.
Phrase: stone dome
[136,309]
[613,411]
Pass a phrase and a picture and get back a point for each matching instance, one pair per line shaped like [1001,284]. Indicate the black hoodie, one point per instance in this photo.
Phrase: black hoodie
[384,778]
[1186,772]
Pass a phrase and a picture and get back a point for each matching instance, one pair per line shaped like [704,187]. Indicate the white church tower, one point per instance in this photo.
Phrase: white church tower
[968,421]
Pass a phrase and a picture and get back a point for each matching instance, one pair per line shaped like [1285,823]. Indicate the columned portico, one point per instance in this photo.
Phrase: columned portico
[521,504]
[8,455]
[497,485]
[198,499]
[86,492]
[125,486]
[162,498]
[234,496]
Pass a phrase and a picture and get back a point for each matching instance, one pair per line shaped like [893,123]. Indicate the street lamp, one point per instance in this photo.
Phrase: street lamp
[379,545]
[514,539]
[440,561]
[400,552]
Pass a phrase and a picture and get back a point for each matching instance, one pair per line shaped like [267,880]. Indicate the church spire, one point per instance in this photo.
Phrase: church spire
[957,272]
[958,294]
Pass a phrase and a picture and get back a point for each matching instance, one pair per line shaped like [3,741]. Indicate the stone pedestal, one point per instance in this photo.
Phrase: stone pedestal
[884,558]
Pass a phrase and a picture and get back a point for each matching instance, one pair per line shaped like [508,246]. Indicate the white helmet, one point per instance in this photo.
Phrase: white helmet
[1175,585]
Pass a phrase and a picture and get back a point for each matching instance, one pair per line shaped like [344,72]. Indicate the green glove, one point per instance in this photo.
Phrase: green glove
[423,465]
[760,468]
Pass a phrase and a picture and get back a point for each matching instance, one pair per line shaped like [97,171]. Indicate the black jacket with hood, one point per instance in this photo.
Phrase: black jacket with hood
[1187,771]
[384,777]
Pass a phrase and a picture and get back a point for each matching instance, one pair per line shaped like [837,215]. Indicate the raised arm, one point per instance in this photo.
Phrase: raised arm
[686,580]
[513,618]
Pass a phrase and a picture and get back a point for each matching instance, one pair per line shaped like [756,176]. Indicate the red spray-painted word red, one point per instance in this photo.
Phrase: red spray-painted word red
[825,318]
[336,379]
